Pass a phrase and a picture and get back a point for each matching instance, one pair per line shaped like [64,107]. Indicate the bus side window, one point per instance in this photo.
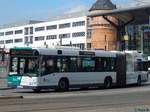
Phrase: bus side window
[79,63]
[49,66]
[112,64]
[58,67]
[98,64]
[43,68]
[72,64]
[105,65]
[88,64]
[65,64]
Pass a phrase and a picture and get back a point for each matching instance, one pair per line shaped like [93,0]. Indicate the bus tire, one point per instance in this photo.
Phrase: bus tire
[139,81]
[63,84]
[108,82]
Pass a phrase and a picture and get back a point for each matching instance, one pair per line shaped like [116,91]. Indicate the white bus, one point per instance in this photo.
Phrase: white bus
[64,68]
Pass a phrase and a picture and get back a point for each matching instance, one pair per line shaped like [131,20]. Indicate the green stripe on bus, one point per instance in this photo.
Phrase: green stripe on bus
[14,80]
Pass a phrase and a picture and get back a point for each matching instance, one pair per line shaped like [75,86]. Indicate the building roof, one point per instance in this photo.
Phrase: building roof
[20,23]
[103,5]
[133,15]
[69,16]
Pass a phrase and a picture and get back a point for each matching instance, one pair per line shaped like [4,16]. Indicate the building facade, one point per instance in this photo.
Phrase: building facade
[68,32]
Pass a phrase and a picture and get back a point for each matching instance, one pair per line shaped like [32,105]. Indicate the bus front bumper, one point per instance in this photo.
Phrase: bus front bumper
[37,87]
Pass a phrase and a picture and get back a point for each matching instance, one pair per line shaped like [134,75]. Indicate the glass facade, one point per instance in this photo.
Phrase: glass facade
[138,38]
[146,39]
[134,38]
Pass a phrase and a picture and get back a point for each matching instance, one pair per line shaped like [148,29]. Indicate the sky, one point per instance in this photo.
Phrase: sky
[22,10]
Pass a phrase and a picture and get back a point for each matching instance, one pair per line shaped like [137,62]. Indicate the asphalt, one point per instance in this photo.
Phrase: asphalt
[129,99]
[3,81]
[132,99]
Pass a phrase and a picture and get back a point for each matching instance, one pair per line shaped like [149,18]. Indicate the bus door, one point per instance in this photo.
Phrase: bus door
[121,70]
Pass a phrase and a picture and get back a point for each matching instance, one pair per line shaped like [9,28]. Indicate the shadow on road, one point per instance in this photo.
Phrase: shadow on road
[29,91]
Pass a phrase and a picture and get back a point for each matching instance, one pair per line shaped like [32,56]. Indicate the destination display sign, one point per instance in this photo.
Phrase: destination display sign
[87,53]
[23,52]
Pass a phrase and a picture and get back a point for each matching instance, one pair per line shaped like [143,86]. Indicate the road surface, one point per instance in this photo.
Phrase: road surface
[130,99]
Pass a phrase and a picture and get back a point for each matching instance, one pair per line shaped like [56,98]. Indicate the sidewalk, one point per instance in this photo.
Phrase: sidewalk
[3,81]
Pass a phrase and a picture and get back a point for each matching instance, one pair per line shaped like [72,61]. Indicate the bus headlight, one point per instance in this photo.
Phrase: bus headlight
[19,78]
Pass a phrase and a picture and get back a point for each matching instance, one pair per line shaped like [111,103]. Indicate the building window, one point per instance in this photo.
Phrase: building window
[28,39]
[31,30]
[81,46]
[18,32]
[78,34]
[51,27]
[18,40]
[31,39]
[40,38]
[8,41]
[26,31]
[67,35]
[79,23]
[66,25]
[89,21]
[1,33]
[9,33]
[49,37]
[89,45]
[39,29]
[89,33]
[2,42]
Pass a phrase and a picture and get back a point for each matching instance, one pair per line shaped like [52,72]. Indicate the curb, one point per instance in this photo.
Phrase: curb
[6,88]
[10,97]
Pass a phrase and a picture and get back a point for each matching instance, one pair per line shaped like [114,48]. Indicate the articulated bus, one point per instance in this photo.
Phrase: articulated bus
[63,68]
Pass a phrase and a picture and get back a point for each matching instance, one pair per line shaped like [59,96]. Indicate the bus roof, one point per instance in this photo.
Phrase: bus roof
[74,52]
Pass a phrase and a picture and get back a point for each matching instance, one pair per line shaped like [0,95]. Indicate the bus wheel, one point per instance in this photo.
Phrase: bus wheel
[63,85]
[139,81]
[36,90]
[108,83]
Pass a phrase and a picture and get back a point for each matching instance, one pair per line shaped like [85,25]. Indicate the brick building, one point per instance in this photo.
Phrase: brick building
[104,35]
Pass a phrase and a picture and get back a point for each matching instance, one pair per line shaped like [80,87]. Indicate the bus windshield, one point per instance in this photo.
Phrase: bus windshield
[24,65]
